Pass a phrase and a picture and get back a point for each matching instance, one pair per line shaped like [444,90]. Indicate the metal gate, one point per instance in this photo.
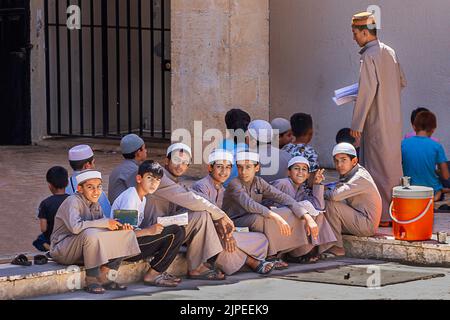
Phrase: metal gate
[15,120]
[110,77]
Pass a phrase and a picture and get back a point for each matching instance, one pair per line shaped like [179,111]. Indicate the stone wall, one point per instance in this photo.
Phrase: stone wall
[220,60]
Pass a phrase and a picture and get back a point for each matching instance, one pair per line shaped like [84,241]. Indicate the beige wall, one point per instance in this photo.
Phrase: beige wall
[220,60]
[312,53]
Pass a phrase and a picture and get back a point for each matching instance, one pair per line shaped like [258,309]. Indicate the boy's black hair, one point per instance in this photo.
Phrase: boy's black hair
[416,112]
[58,177]
[344,136]
[301,123]
[131,156]
[425,121]
[78,165]
[152,167]
[236,119]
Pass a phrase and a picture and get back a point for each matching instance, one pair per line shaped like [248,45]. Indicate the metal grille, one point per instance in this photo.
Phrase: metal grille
[112,76]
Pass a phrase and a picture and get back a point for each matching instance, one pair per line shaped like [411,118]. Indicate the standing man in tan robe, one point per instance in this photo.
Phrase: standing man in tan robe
[377,116]
[171,198]
[82,235]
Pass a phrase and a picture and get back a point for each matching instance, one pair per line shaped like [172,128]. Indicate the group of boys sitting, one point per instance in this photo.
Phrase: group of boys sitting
[237,215]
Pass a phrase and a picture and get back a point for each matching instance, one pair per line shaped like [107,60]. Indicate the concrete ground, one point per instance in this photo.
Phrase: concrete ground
[249,286]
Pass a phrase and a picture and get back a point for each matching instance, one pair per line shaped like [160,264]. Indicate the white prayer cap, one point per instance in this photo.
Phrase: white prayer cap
[261,131]
[345,148]
[281,124]
[219,155]
[131,143]
[297,160]
[81,152]
[88,175]
[179,146]
[250,156]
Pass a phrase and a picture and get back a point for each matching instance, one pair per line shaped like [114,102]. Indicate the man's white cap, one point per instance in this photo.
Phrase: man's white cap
[88,175]
[345,148]
[179,146]
[261,131]
[297,160]
[220,155]
[81,152]
[281,124]
[250,156]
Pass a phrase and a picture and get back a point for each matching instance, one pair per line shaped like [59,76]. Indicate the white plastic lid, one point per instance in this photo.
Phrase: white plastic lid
[413,192]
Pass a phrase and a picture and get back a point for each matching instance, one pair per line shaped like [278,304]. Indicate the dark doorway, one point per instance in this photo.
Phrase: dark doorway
[15,118]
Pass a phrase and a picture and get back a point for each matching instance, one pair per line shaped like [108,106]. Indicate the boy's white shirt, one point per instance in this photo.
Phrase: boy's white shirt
[129,200]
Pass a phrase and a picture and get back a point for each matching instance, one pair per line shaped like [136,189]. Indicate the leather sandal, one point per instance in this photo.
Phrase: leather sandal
[95,288]
[21,260]
[161,281]
[114,286]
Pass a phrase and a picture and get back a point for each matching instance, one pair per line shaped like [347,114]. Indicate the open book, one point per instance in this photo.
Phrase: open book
[346,94]
[179,220]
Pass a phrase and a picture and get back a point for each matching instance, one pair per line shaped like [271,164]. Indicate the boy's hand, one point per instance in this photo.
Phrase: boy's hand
[355,134]
[230,244]
[225,226]
[311,227]
[319,176]
[114,225]
[127,226]
[155,230]
[285,228]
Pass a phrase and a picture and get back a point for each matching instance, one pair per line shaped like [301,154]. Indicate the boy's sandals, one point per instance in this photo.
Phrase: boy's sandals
[306,259]
[40,260]
[211,274]
[278,264]
[114,286]
[168,276]
[95,288]
[21,260]
[161,281]
[262,267]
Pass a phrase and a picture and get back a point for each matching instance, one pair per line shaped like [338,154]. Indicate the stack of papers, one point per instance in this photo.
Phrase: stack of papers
[179,220]
[346,95]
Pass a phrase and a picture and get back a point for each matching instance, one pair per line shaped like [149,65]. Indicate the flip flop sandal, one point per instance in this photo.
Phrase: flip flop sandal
[208,275]
[168,276]
[21,260]
[328,256]
[161,281]
[278,264]
[40,260]
[114,286]
[95,288]
[261,268]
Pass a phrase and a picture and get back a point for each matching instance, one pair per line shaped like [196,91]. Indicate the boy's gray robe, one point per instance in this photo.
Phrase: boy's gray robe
[122,178]
[170,199]
[252,244]
[354,206]
[378,115]
[243,202]
[326,235]
[81,236]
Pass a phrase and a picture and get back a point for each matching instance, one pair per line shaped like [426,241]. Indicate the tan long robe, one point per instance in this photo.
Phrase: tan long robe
[354,206]
[172,198]
[243,202]
[80,235]
[378,115]
[252,244]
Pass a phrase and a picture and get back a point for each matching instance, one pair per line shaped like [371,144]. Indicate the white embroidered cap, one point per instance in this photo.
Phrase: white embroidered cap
[81,152]
[247,156]
[220,154]
[179,146]
[88,175]
[297,160]
[345,148]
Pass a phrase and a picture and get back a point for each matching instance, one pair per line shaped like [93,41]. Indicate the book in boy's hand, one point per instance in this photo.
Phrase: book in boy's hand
[127,217]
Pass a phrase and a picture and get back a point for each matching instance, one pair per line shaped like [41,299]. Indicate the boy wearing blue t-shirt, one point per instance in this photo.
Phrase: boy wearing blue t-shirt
[421,156]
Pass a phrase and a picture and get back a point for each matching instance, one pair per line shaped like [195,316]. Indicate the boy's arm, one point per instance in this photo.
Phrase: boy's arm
[43,224]
[443,171]
[346,190]
[76,225]
[282,198]
[241,196]
[317,198]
